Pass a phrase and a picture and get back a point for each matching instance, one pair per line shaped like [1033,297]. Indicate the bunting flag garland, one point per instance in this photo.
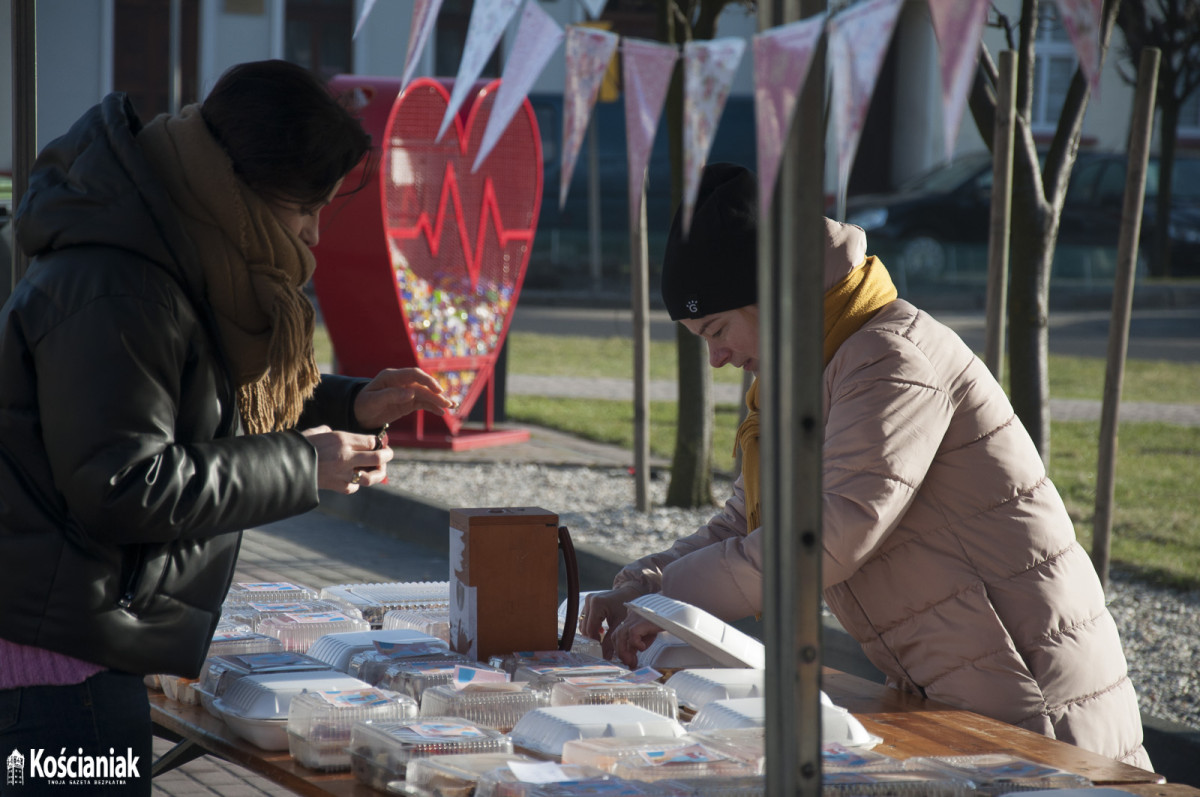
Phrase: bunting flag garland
[594,7]
[958,25]
[362,18]
[858,42]
[708,70]
[589,51]
[782,57]
[537,38]
[424,16]
[1081,18]
[648,67]
[488,21]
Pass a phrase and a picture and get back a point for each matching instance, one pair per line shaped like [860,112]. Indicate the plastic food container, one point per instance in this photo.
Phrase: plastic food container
[242,641]
[221,671]
[744,744]
[607,690]
[696,688]
[657,758]
[524,778]
[668,654]
[179,689]
[549,674]
[318,723]
[456,775]
[549,658]
[432,621]
[995,774]
[895,783]
[269,592]
[414,677]
[253,614]
[835,757]
[733,786]
[719,640]
[372,665]
[497,706]
[380,752]
[737,712]
[337,649]
[377,599]
[297,631]
[543,732]
[255,707]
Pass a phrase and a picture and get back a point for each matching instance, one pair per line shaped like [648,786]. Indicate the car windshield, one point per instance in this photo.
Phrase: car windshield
[948,176]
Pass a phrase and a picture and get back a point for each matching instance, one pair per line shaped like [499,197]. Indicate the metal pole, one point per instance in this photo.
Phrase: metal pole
[640,274]
[791,276]
[1001,219]
[24,76]
[175,93]
[1141,128]
[594,202]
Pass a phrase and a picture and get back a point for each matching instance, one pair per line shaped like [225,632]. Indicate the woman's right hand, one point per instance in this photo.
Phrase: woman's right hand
[606,609]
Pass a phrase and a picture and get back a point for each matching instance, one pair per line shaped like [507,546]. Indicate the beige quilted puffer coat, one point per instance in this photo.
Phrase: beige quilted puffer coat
[949,555]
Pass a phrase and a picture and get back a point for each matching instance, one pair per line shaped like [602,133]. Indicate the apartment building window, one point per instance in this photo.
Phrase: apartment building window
[317,36]
[1053,68]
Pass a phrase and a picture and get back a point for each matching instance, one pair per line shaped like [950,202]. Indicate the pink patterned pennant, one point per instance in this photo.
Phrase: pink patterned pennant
[1081,18]
[488,21]
[782,57]
[708,70]
[958,25]
[424,15]
[589,51]
[537,38]
[858,41]
[362,17]
[648,67]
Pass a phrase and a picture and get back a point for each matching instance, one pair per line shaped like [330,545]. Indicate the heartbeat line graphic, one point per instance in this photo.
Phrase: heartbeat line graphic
[489,209]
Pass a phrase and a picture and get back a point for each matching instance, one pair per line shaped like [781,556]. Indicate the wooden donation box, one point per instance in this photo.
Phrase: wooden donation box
[503,580]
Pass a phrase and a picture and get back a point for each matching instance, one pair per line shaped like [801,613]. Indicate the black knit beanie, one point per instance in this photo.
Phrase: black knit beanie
[716,268]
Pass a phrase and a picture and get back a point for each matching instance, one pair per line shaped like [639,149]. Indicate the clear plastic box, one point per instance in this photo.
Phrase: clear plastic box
[688,760]
[733,786]
[221,671]
[372,665]
[498,784]
[544,731]
[432,621]
[456,775]
[511,662]
[523,778]
[337,649]
[318,724]
[836,758]
[1000,773]
[603,752]
[255,707]
[696,688]
[377,599]
[549,674]
[253,614]
[381,751]
[269,592]
[497,706]
[297,631]
[744,744]
[895,783]
[238,643]
[414,677]
[607,690]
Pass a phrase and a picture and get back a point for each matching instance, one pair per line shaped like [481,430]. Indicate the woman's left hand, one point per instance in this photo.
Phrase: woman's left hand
[347,461]
[396,392]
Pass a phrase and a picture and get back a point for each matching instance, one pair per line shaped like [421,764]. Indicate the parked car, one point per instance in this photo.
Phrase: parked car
[936,225]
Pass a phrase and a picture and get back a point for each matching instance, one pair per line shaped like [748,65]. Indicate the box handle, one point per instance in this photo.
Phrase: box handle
[571,622]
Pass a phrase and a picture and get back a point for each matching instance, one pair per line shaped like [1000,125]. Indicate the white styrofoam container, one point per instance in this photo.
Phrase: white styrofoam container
[669,652]
[696,688]
[336,650]
[838,726]
[256,706]
[716,638]
[545,730]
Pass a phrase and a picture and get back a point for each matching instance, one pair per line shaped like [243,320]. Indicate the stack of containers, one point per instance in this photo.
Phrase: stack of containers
[543,732]
[221,671]
[299,630]
[255,707]
[254,613]
[380,752]
[338,649]
[434,621]
[371,665]
[696,688]
[319,723]
[374,601]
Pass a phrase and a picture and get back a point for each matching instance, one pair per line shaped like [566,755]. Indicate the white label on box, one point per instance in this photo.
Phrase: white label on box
[354,698]
[691,754]
[268,586]
[544,772]
[445,730]
[318,617]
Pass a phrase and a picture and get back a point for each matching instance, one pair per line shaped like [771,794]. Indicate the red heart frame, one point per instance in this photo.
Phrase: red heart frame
[429,249]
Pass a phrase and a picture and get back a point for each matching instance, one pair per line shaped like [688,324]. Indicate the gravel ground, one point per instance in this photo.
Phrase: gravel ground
[1160,627]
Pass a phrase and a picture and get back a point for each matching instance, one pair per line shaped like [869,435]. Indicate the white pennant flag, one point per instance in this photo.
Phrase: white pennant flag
[537,39]
[424,16]
[1081,18]
[488,21]
[648,67]
[708,71]
[782,57]
[858,42]
[958,25]
[362,18]
[594,7]
[589,51]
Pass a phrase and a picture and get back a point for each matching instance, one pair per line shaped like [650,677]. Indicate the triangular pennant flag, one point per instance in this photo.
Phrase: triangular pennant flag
[858,41]
[648,67]
[424,16]
[589,51]
[537,39]
[594,7]
[958,25]
[1081,18]
[362,18]
[708,70]
[488,21]
[782,57]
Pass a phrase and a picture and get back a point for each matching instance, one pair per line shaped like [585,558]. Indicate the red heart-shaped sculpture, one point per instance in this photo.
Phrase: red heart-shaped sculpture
[423,266]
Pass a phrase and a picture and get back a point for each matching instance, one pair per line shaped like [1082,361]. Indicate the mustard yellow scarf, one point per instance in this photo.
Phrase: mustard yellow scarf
[848,305]
[254,270]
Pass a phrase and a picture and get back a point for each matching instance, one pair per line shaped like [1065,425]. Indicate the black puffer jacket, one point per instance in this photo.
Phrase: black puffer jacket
[124,478]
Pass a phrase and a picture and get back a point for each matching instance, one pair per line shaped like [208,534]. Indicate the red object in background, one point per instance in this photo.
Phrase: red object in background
[423,266]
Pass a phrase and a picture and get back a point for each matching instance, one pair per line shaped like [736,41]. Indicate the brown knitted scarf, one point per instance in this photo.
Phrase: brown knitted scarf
[254,269]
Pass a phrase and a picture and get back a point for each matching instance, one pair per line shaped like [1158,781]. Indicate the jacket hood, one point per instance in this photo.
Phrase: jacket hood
[92,186]
[845,250]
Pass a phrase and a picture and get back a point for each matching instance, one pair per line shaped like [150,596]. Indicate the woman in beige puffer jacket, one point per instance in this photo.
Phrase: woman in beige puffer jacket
[949,555]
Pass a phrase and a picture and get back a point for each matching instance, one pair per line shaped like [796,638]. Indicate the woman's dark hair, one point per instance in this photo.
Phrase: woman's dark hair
[289,138]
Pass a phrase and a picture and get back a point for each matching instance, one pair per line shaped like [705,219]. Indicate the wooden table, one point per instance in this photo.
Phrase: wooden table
[909,726]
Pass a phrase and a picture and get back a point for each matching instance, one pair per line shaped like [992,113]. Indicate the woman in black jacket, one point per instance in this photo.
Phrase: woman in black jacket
[158,394]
